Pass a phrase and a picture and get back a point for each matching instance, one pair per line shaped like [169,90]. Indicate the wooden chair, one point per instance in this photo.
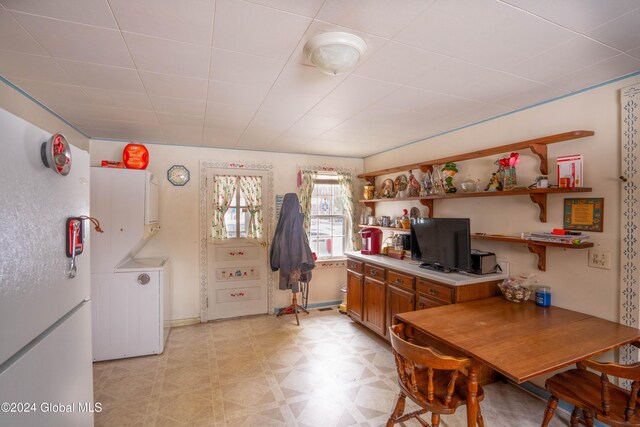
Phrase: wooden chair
[594,395]
[435,382]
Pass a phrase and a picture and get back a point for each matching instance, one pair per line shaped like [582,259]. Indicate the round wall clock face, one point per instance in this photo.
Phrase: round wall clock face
[178,175]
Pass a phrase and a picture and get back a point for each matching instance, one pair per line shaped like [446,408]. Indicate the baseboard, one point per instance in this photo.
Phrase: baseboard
[185,322]
[315,305]
[544,395]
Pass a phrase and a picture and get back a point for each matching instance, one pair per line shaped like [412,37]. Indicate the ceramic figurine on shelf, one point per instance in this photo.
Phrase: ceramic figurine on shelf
[427,185]
[437,185]
[414,186]
[495,184]
[449,170]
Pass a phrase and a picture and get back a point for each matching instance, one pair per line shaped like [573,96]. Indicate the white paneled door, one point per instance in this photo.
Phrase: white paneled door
[237,252]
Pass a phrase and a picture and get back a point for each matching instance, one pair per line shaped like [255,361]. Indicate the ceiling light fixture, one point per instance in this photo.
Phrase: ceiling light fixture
[335,53]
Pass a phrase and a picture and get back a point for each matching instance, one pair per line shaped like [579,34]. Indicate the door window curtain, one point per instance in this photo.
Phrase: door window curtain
[224,188]
[306,190]
[251,190]
[345,180]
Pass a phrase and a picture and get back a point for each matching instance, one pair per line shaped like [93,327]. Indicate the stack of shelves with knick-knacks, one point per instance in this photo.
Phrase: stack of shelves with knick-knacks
[537,195]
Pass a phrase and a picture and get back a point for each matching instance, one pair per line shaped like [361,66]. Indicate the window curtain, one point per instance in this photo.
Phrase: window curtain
[224,187]
[251,190]
[345,181]
[306,189]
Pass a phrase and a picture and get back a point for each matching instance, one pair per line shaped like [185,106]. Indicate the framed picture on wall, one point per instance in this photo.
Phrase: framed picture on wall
[584,214]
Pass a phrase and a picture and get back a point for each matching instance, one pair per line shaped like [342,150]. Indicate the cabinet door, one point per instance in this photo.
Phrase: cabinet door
[374,305]
[354,294]
[398,301]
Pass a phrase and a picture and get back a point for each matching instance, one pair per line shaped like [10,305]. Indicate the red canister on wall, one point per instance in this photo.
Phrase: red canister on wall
[371,240]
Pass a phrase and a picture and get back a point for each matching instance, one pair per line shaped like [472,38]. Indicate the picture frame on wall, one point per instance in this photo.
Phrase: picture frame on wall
[584,214]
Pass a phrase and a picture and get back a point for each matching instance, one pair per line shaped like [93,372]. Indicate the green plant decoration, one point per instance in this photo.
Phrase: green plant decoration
[449,170]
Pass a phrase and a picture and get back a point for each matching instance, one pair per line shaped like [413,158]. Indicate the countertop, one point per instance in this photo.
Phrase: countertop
[141,264]
[413,268]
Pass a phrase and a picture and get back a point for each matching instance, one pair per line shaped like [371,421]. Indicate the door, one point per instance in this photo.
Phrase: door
[354,294]
[374,305]
[237,243]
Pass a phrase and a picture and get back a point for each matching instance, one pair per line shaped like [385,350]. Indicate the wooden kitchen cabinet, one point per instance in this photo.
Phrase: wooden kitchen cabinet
[355,294]
[374,305]
[399,301]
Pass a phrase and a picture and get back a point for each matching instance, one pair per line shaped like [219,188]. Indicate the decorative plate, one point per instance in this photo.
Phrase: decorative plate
[386,190]
[401,182]
[414,212]
[178,175]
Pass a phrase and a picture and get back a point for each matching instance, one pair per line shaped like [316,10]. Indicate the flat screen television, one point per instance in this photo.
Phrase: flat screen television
[442,243]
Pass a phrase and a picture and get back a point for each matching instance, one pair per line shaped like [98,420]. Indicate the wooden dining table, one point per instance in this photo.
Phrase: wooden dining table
[520,341]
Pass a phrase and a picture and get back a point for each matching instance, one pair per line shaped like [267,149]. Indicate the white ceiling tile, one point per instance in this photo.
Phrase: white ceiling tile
[90,12]
[290,143]
[227,116]
[168,56]
[180,120]
[517,38]
[495,84]
[601,72]
[423,102]
[64,109]
[452,77]
[110,98]
[622,33]
[186,20]
[129,115]
[450,26]
[250,28]
[103,77]
[353,95]
[192,107]
[635,53]
[245,69]
[15,65]
[298,89]
[528,97]
[235,94]
[220,137]
[52,93]
[101,123]
[579,15]
[380,17]
[322,146]
[97,133]
[174,86]
[67,40]
[14,37]
[183,135]
[579,52]
[300,7]
[398,63]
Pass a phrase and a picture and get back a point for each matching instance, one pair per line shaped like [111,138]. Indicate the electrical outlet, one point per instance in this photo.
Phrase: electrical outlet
[600,259]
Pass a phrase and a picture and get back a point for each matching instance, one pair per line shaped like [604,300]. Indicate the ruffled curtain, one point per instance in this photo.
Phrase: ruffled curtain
[306,190]
[345,181]
[251,190]
[224,187]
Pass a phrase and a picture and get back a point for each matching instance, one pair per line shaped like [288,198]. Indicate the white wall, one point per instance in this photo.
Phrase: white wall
[179,215]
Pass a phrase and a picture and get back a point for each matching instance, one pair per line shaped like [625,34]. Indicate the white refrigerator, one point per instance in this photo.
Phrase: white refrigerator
[45,316]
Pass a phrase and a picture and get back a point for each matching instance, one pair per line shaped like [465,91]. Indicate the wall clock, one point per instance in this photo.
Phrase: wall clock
[178,175]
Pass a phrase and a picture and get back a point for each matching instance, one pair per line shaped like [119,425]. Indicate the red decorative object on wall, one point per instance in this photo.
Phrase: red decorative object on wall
[135,156]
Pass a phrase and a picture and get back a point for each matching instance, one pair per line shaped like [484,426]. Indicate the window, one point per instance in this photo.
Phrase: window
[237,207]
[237,217]
[327,231]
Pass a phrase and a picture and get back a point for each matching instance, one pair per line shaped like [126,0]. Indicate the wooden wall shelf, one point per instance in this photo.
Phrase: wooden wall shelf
[537,195]
[534,246]
[396,229]
[538,146]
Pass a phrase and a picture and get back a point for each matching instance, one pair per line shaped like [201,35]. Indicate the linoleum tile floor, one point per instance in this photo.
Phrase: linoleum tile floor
[266,371]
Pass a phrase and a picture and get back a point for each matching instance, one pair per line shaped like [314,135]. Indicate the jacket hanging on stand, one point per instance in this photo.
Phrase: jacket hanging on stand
[290,251]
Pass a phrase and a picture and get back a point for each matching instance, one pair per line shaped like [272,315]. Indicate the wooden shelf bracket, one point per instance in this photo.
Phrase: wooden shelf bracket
[541,251]
[429,204]
[540,150]
[540,199]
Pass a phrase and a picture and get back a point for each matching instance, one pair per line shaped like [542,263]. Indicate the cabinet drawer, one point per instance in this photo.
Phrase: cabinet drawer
[435,291]
[400,280]
[426,302]
[375,272]
[353,265]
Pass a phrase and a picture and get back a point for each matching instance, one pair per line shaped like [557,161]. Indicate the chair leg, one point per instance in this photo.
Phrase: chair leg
[480,419]
[588,418]
[398,410]
[575,417]
[435,419]
[548,413]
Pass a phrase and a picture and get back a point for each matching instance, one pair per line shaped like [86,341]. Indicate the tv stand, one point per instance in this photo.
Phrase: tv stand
[436,267]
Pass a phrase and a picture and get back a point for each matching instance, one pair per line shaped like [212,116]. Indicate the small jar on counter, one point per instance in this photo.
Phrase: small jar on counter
[543,296]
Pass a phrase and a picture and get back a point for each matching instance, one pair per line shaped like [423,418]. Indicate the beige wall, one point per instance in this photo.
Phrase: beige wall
[179,215]
[17,103]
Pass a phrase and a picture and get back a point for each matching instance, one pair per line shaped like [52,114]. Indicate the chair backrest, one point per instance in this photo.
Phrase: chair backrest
[410,357]
[628,372]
